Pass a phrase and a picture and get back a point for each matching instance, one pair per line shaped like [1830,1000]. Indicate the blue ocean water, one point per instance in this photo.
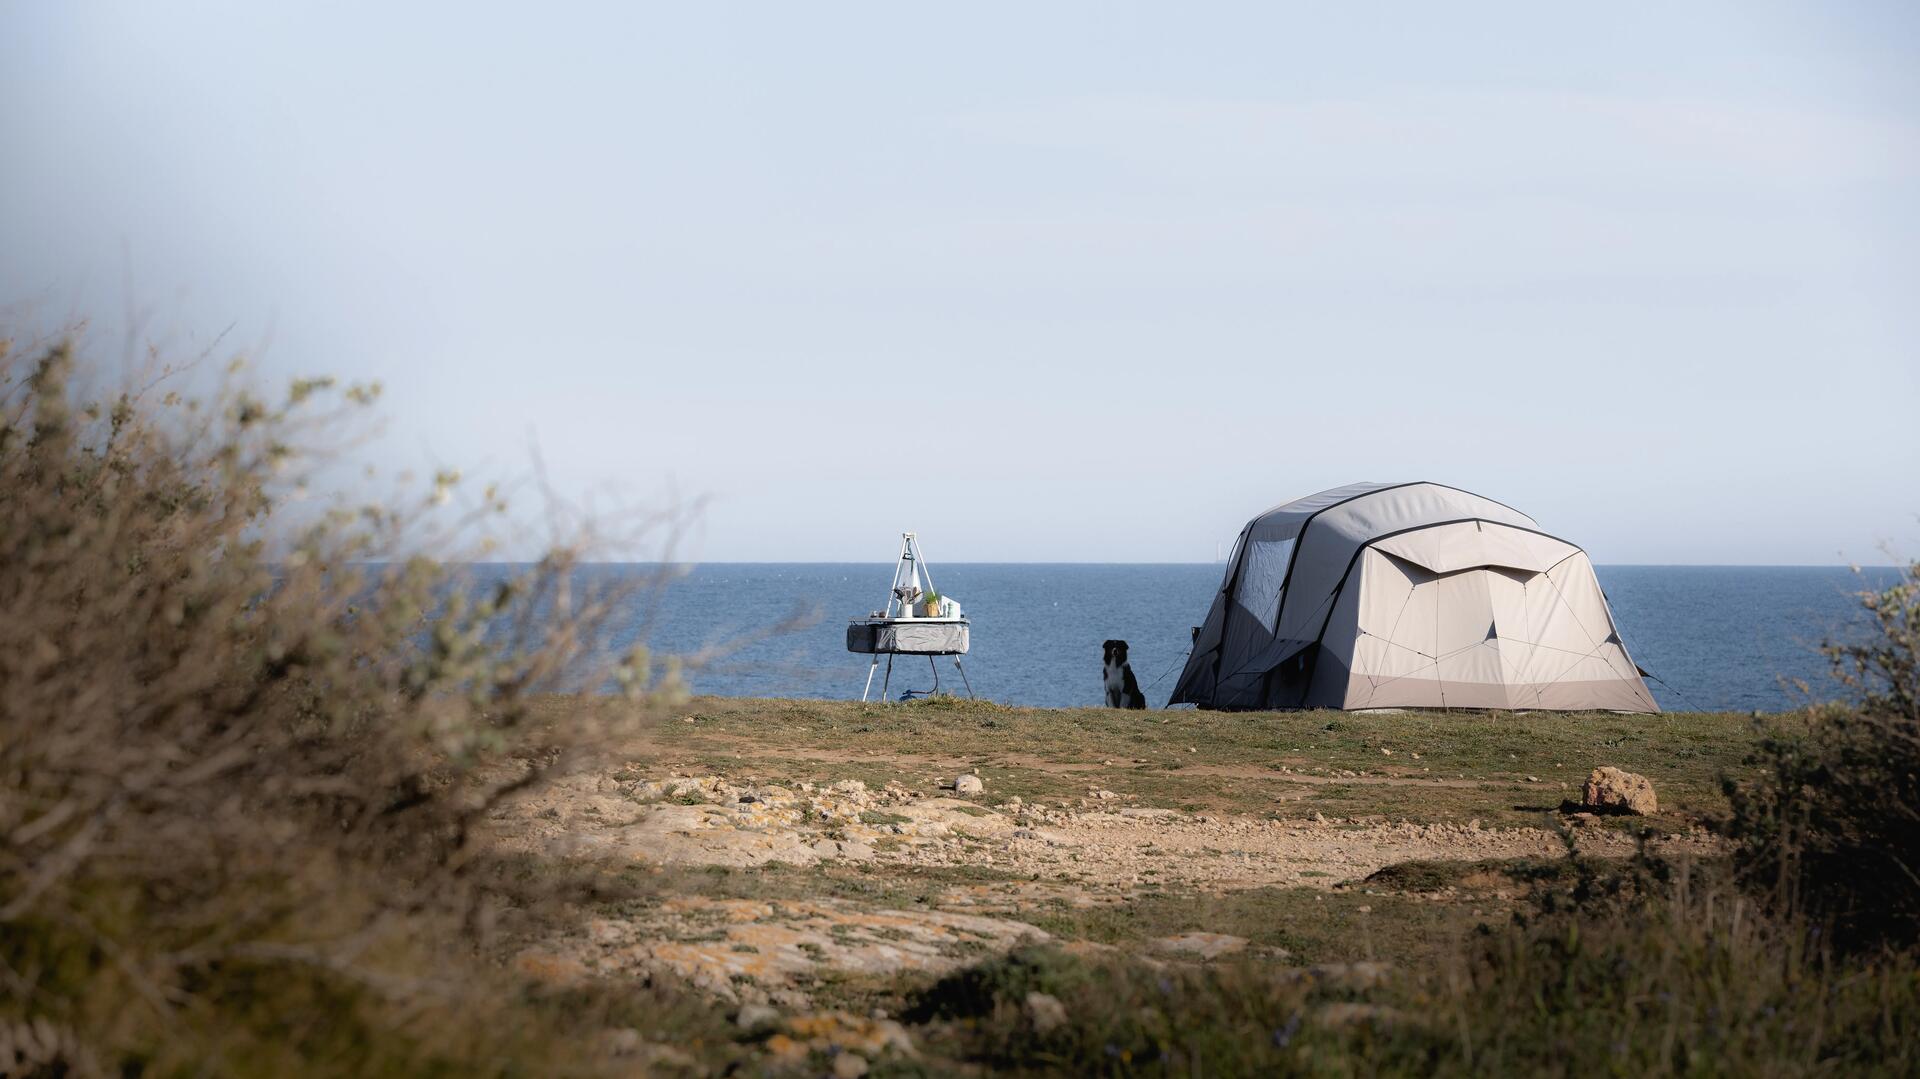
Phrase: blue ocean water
[1717,637]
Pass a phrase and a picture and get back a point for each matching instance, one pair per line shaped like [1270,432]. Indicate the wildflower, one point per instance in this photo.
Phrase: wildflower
[1282,1036]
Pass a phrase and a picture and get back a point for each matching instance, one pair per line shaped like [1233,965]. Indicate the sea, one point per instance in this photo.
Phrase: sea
[1718,638]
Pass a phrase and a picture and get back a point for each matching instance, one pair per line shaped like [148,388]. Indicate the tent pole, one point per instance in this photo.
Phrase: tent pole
[936,677]
[871,667]
[884,682]
[963,678]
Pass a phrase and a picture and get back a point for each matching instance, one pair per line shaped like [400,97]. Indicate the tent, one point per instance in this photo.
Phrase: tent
[1407,595]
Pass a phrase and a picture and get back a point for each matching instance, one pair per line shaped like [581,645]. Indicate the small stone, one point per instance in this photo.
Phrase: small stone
[624,1041]
[1045,1012]
[689,719]
[849,1066]
[968,784]
[1533,779]
[753,1016]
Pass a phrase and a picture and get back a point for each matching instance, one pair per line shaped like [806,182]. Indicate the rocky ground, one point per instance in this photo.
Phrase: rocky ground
[1091,851]
[788,894]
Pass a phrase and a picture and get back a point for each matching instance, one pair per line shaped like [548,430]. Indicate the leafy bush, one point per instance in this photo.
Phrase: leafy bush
[1831,829]
[245,755]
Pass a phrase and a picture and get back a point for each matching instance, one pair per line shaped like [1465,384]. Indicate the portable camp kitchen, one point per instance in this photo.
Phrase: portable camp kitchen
[904,629]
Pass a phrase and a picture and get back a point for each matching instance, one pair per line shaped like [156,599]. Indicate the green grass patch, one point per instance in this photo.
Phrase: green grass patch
[1468,764]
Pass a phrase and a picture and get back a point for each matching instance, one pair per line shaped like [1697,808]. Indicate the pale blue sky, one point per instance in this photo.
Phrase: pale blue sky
[1108,279]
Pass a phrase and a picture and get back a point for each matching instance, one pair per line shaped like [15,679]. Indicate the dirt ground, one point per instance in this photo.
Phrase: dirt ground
[798,855]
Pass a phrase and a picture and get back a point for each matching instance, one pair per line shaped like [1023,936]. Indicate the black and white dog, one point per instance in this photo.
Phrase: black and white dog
[1122,690]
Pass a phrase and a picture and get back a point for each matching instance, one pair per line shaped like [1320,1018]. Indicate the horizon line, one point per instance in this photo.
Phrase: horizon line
[1222,562]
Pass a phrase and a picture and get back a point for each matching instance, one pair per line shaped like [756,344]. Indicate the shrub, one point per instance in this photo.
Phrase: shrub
[245,755]
[1644,969]
[1831,828]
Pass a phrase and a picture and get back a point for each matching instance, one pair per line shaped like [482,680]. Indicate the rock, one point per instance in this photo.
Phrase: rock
[1360,977]
[622,1041]
[843,848]
[1347,1014]
[1201,945]
[849,1066]
[1045,1012]
[550,968]
[968,784]
[753,1016]
[846,1035]
[749,952]
[1610,790]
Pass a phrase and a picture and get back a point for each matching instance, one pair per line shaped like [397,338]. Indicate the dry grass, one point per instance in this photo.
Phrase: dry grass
[243,761]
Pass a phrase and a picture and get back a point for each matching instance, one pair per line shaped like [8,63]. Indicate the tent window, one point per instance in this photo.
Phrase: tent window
[1260,577]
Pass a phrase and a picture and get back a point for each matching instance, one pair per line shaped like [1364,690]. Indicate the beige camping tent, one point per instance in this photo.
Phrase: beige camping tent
[1410,595]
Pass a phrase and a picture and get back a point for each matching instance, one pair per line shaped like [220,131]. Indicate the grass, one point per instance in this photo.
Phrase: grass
[1291,765]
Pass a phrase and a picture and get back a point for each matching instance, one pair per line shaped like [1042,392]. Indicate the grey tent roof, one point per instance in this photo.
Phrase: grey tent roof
[1407,595]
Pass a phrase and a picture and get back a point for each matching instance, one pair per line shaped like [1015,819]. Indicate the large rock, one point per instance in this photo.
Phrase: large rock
[968,784]
[1610,790]
[748,950]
